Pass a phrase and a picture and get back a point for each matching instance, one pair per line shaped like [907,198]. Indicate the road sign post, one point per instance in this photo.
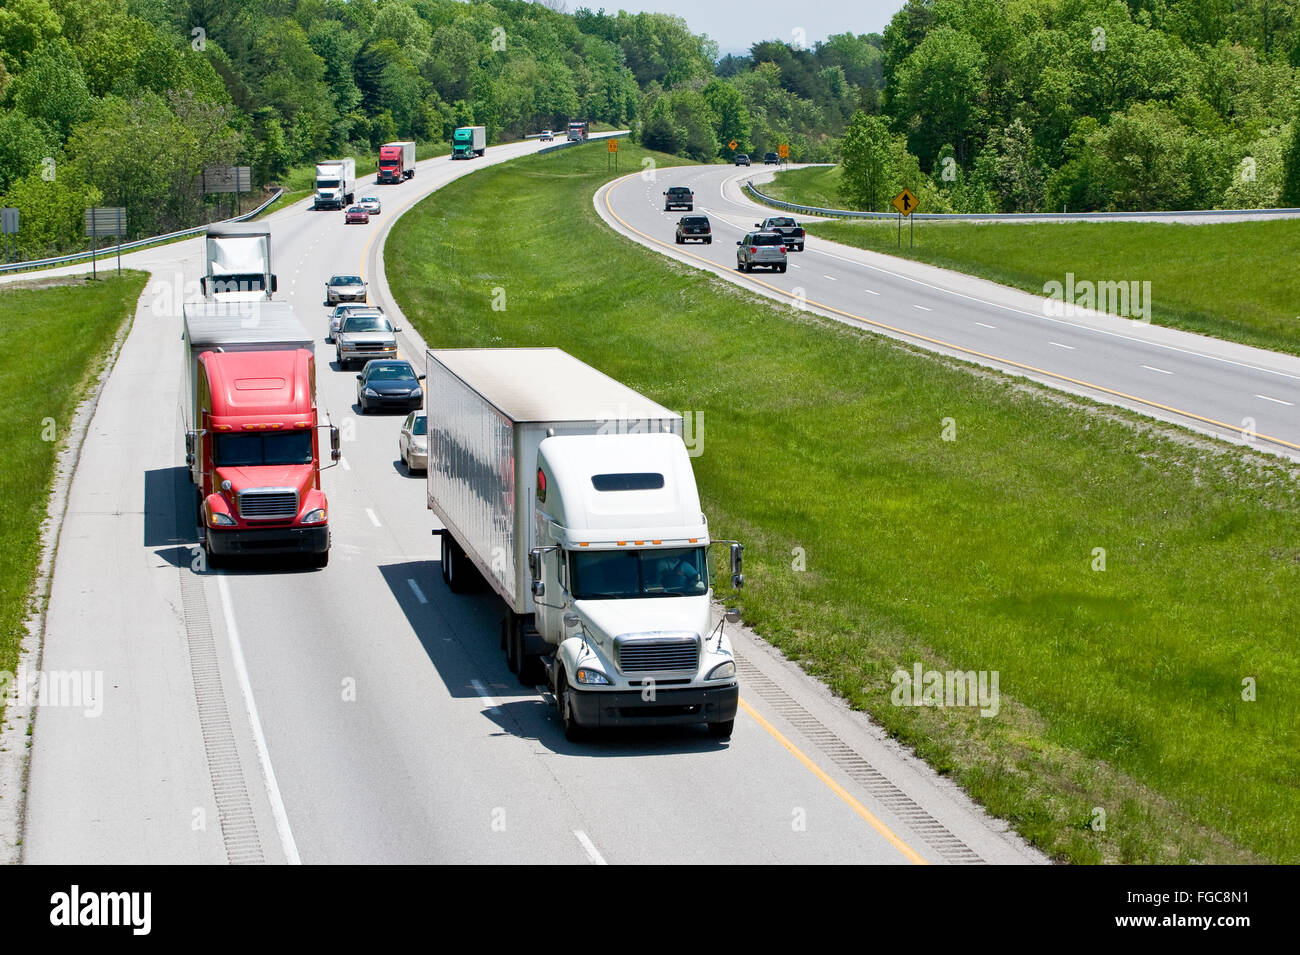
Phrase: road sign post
[9,226]
[905,202]
[105,220]
[783,151]
[611,148]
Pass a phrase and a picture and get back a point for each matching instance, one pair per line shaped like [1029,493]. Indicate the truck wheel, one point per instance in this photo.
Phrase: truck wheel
[780,268]
[709,241]
[574,731]
[509,635]
[722,730]
[456,570]
[214,559]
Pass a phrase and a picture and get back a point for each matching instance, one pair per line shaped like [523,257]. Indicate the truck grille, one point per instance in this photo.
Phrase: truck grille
[658,654]
[268,504]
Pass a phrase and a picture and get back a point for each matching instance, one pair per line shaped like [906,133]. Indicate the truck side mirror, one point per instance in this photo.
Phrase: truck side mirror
[203,285]
[189,447]
[732,615]
[737,559]
[275,284]
[334,441]
[535,571]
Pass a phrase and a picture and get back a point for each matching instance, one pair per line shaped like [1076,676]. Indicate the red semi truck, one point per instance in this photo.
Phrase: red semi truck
[396,162]
[252,433]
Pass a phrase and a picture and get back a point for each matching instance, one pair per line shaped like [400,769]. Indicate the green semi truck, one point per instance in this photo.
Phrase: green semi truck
[468,142]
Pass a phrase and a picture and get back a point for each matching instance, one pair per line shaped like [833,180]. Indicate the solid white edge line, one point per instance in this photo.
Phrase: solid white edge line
[415,589]
[259,739]
[482,691]
[589,847]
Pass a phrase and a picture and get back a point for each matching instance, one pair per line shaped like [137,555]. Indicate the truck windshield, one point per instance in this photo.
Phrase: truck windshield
[327,183]
[622,574]
[238,283]
[250,450]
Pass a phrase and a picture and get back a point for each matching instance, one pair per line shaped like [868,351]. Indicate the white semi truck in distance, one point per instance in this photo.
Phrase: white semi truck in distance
[336,183]
[238,256]
[573,497]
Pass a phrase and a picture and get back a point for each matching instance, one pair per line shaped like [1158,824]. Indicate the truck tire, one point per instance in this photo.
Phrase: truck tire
[213,559]
[574,731]
[508,641]
[722,730]
[780,268]
[456,570]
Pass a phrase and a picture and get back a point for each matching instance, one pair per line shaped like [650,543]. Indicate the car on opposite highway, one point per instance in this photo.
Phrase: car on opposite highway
[679,197]
[370,204]
[771,159]
[344,288]
[349,308]
[363,337]
[389,384]
[694,227]
[413,442]
[356,214]
[742,159]
[786,228]
[547,136]
[760,248]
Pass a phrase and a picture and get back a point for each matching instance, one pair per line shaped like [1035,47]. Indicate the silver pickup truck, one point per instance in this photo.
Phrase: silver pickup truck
[786,228]
[363,337]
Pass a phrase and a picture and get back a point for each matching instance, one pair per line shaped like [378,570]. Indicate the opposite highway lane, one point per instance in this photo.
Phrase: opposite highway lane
[362,713]
[1242,393]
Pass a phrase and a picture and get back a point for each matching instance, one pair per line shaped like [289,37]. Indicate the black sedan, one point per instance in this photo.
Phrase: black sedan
[384,383]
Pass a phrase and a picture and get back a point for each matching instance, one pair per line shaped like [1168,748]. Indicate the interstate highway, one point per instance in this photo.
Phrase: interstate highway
[362,713]
[1213,386]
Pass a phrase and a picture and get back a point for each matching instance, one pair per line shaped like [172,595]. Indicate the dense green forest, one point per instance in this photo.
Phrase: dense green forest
[978,105]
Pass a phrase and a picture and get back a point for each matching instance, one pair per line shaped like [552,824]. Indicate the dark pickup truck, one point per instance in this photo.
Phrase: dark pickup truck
[786,227]
[679,197]
[694,227]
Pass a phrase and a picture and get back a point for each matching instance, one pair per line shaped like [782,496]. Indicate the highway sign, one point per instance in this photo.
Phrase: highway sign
[8,220]
[905,202]
[732,145]
[783,150]
[613,145]
[106,220]
[216,179]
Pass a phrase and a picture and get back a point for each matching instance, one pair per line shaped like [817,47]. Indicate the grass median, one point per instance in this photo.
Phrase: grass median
[1184,263]
[1132,586]
[56,340]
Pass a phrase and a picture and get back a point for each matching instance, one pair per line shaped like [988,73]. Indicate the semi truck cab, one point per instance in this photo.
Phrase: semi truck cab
[621,586]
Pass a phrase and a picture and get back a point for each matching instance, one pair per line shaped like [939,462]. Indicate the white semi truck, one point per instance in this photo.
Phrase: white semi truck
[572,496]
[238,258]
[336,183]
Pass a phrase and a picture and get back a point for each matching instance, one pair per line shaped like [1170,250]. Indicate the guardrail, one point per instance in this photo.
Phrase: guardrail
[1012,216]
[135,244]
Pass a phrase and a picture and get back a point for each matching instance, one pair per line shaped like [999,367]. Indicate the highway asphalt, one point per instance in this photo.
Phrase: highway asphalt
[1247,395]
[362,713]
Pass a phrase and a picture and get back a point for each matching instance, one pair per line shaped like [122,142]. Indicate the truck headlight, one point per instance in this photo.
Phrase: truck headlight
[723,671]
[217,519]
[591,677]
[314,516]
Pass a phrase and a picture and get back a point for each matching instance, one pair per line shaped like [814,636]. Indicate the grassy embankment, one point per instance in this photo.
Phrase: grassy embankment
[1121,689]
[57,340]
[1254,304]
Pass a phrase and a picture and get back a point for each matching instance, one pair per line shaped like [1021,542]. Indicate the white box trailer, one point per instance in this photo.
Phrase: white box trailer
[238,262]
[552,482]
[336,183]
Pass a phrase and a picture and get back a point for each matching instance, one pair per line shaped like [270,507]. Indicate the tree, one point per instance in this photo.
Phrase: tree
[51,212]
[53,89]
[733,119]
[940,94]
[23,144]
[1290,193]
[865,164]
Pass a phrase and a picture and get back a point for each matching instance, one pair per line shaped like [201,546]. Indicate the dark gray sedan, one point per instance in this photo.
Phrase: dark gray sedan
[389,384]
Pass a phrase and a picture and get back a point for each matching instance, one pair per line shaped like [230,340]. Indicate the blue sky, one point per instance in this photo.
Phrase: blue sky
[736,24]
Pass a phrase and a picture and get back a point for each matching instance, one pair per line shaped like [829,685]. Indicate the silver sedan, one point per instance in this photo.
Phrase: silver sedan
[413,442]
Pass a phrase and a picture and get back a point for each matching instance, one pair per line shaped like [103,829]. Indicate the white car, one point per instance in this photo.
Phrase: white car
[413,442]
[370,204]
[343,311]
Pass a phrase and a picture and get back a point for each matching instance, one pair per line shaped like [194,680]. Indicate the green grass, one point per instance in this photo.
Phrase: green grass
[1120,689]
[815,186]
[56,340]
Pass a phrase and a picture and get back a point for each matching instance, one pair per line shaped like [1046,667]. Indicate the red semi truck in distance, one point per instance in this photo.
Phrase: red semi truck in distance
[252,432]
[396,162]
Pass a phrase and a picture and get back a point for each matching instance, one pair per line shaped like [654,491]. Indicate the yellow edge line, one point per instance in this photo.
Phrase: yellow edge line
[908,852]
[939,341]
